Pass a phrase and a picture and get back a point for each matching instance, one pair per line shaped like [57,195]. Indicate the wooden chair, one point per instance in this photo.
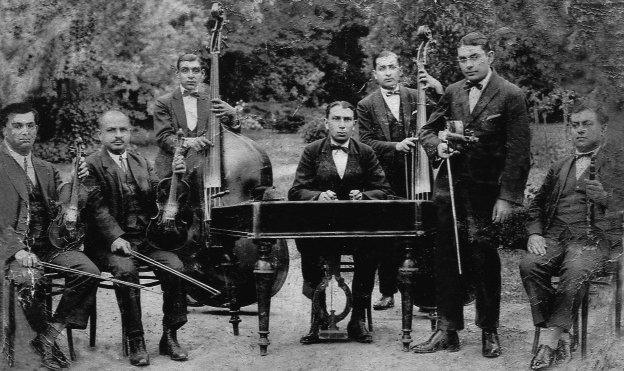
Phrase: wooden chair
[348,266]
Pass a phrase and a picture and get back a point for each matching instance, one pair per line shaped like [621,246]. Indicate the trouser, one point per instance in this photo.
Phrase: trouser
[129,299]
[576,259]
[78,296]
[314,254]
[479,256]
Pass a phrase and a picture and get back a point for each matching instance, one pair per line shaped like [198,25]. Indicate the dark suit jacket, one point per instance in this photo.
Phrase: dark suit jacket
[500,119]
[373,122]
[107,203]
[608,171]
[14,193]
[317,173]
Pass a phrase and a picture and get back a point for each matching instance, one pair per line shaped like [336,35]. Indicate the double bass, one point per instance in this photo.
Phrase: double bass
[233,170]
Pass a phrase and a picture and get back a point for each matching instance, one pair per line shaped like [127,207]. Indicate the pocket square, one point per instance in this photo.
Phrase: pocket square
[492,117]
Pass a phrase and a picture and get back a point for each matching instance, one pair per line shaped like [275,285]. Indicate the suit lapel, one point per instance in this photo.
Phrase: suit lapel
[139,173]
[203,110]
[379,106]
[178,109]
[44,178]
[563,176]
[327,158]
[464,101]
[488,93]
[15,173]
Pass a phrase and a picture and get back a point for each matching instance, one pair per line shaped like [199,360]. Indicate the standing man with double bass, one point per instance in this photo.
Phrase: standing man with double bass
[384,119]
[187,108]
[489,179]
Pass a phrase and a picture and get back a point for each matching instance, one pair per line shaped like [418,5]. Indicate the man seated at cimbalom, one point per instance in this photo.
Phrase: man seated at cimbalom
[573,229]
[339,168]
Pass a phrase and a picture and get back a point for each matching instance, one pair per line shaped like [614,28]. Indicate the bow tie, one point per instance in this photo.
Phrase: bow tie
[341,148]
[581,155]
[190,93]
[472,84]
[389,93]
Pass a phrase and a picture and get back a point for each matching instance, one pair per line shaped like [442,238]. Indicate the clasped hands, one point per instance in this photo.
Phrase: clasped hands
[328,195]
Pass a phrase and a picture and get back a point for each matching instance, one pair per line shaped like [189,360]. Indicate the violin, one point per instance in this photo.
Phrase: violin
[67,230]
[168,229]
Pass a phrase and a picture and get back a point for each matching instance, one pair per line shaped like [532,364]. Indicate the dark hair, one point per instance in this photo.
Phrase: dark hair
[580,105]
[188,57]
[476,39]
[342,104]
[383,54]
[14,109]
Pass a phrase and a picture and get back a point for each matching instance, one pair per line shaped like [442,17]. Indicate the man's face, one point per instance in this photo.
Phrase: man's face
[190,74]
[587,133]
[20,132]
[474,62]
[339,124]
[388,72]
[115,133]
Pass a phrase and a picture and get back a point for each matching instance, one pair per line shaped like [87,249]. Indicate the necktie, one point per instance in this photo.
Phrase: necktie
[473,84]
[123,164]
[190,93]
[25,166]
[341,148]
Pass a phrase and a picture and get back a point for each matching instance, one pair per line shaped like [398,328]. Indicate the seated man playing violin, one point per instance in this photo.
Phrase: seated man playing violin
[572,230]
[30,190]
[124,201]
[339,168]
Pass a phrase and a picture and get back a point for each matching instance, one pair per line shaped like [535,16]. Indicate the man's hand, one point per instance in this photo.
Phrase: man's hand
[327,196]
[222,108]
[595,191]
[178,166]
[406,144]
[429,82]
[197,144]
[536,244]
[356,194]
[502,210]
[121,247]
[26,258]
[83,169]
[444,151]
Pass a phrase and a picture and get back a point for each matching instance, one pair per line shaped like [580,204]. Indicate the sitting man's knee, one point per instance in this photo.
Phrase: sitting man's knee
[23,276]
[528,264]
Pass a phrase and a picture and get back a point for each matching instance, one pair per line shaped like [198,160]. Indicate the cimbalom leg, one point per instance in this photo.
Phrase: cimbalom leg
[265,276]
[406,274]
[231,280]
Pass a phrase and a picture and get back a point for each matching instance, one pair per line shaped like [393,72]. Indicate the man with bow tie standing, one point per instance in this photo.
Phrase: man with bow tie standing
[384,119]
[573,225]
[489,179]
[186,108]
[339,168]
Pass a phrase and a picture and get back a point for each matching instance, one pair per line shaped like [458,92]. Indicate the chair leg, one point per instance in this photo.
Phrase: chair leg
[124,339]
[618,304]
[584,312]
[70,344]
[92,326]
[536,338]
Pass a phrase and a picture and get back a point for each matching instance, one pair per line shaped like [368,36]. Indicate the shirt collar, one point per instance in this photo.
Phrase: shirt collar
[486,79]
[115,157]
[384,91]
[345,144]
[182,90]
[16,155]
[588,153]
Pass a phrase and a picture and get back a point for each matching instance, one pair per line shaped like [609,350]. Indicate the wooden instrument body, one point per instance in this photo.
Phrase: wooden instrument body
[168,229]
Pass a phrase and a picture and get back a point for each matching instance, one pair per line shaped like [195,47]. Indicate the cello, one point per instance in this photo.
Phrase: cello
[233,170]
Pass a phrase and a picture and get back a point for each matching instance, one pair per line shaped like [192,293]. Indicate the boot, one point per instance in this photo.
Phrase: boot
[51,358]
[312,337]
[169,345]
[138,354]
[356,329]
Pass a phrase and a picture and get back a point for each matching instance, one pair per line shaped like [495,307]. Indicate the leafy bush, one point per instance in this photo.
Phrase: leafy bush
[313,130]
[289,123]
[142,137]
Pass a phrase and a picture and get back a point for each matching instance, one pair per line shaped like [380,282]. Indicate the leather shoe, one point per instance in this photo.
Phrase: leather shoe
[357,331]
[490,345]
[384,302]
[311,337]
[543,358]
[52,357]
[138,354]
[563,353]
[439,340]
[169,346]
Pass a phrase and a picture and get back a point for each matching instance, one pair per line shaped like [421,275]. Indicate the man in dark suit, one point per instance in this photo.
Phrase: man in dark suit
[573,225]
[489,178]
[29,188]
[124,202]
[187,108]
[339,168]
[384,119]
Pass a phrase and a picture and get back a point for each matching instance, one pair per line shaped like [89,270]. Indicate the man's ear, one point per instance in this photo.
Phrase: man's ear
[490,56]
[326,122]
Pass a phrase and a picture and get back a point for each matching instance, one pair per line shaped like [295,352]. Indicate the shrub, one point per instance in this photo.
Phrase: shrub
[289,123]
[313,130]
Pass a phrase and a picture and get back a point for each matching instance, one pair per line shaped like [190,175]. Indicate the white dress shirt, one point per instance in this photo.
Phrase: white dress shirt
[582,163]
[340,157]
[474,94]
[190,109]
[25,162]
[393,101]
[121,160]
